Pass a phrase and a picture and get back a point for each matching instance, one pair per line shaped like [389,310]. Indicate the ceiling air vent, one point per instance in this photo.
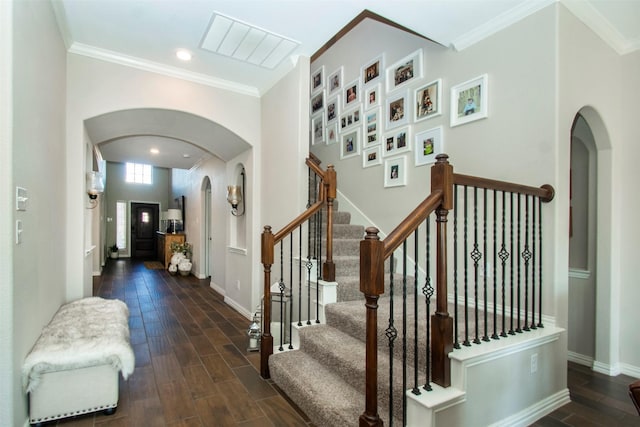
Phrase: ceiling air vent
[239,40]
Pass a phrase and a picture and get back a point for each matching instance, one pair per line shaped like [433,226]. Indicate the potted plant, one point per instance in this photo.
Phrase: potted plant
[113,251]
[181,259]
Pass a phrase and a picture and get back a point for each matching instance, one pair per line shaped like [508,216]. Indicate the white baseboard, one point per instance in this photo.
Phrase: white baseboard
[580,359]
[240,309]
[607,369]
[534,412]
[217,288]
[632,371]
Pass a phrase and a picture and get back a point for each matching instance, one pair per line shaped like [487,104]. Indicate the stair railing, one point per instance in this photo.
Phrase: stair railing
[322,193]
[437,337]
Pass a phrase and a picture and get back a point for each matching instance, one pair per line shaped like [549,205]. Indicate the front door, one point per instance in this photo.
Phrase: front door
[144,224]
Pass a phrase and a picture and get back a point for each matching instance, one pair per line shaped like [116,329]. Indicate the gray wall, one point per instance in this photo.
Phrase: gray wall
[116,189]
[37,287]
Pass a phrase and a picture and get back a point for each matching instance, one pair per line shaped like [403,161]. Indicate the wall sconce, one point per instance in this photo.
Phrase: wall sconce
[95,186]
[234,197]
[173,215]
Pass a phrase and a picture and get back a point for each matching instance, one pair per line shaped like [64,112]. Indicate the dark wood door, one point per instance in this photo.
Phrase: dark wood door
[144,224]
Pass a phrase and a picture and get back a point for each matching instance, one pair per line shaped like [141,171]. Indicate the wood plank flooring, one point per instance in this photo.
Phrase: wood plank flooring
[192,367]
[597,400]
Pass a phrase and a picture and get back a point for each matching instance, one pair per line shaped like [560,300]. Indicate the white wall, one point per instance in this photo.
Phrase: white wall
[38,159]
[515,143]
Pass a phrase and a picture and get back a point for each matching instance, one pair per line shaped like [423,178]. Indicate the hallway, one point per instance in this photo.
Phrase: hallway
[192,367]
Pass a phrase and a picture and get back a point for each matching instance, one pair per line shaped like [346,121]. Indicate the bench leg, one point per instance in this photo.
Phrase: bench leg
[110,411]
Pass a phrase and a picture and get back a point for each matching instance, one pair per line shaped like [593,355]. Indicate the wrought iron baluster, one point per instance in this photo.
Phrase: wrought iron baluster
[416,389]
[404,328]
[533,264]
[428,291]
[540,324]
[495,266]
[281,287]
[504,255]
[526,256]
[511,269]
[290,299]
[519,231]
[485,337]
[392,333]
[476,255]
[456,342]
[318,267]
[466,272]
[300,275]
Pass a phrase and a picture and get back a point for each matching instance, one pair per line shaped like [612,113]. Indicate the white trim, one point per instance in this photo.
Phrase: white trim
[239,308]
[579,274]
[607,369]
[632,371]
[590,16]
[580,359]
[234,250]
[217,288]
[154,67]
[499,23]
[536,411]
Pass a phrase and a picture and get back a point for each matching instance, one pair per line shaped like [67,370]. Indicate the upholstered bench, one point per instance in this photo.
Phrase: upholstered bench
[73,366]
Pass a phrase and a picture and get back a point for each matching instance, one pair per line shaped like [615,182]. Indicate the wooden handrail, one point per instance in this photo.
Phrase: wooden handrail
[545,192]
[327,193]
[374,252]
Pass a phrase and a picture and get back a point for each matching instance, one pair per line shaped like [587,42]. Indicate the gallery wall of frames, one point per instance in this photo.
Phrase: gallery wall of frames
[382,115]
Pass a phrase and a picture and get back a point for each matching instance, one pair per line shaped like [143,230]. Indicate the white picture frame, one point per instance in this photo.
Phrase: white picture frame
[317,103]
[372,127]
[470,101]
[405,71]
[351,94]
[350,143]
[372,71]
[395,171]
[372,156]
[333,109]
[372,96]
[334,82]
[350,118]
[427,101]
[397,109]
[428,144]
[317,129]
[317,80]
[397,141]
[332,135]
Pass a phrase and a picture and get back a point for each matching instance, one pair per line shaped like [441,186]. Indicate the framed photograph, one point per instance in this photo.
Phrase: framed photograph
[426,102]
[469,100]
[351,118]
[372,156]
[372,127]
[317,80]
[405,71]
[372,71]
[331,134]
[350,144]
[333,108]
[317,102]
[334,81]
[317,129]
[397,142]
[397,109]
[351,94]
[428,146]
[372,96]
[395,171]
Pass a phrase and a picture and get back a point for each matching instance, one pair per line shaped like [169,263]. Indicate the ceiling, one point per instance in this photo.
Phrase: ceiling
[147,34]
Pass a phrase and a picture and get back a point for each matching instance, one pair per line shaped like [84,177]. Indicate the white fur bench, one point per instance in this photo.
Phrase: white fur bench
[73,366]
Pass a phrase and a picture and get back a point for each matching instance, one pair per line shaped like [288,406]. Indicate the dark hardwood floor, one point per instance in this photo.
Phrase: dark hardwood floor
[192,367]
[597,400]
[192,364]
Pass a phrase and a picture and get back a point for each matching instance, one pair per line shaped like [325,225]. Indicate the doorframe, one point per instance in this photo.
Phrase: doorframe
[206,231]
[127,253]
[607,351]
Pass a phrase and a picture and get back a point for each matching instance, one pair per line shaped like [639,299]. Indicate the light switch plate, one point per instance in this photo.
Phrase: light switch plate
[21,199]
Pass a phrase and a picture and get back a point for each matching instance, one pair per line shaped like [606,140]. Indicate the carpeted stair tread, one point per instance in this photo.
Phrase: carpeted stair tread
[308,382]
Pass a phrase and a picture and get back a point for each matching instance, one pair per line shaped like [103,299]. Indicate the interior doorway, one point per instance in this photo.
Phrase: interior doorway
[144,224]
[207,233]
[582,243]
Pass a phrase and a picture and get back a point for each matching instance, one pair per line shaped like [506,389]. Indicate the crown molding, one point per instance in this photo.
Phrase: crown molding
[154,67]
[593,19]
[499,23]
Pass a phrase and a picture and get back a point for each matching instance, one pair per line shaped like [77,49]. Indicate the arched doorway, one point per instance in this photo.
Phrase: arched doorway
[206,226]
[591,130]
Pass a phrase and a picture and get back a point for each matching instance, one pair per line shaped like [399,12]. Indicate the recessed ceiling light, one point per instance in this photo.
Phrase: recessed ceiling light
[183,55]
[154,151]
[186,156]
